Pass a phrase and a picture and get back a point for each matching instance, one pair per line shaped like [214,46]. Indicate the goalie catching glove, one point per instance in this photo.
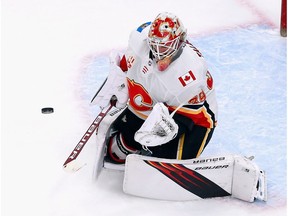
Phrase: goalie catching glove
[159,128]
[116,85]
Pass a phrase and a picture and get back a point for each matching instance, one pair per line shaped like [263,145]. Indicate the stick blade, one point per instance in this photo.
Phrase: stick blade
[73,166]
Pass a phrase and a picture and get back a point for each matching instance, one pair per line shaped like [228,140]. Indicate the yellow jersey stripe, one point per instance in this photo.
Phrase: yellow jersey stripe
[203,142]
[180,147]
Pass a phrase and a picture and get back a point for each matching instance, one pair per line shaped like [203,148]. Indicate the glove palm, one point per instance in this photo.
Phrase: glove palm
[159,128]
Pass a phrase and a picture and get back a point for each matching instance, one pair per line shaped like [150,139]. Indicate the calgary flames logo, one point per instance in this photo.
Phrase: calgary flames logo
[139,98]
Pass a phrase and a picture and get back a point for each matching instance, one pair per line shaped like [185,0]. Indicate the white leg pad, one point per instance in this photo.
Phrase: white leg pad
[193,179]
[178,180]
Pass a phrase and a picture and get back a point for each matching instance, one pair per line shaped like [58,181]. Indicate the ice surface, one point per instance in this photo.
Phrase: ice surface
[55,54]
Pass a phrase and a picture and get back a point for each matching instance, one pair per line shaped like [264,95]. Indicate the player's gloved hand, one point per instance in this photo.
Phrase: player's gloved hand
[159,128]
[116,85]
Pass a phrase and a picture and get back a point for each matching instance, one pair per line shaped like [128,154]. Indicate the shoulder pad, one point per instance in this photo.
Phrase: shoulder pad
[138,37]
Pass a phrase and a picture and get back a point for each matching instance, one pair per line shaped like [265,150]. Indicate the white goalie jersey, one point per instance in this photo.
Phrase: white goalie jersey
[186,84]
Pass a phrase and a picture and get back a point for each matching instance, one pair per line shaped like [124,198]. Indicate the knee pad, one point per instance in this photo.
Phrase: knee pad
[117,149]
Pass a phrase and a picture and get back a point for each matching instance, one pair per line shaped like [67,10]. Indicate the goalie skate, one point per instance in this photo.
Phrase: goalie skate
[261,193]
[111,166]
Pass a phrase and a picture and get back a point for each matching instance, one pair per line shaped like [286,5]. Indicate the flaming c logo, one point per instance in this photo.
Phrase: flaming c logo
[139,98]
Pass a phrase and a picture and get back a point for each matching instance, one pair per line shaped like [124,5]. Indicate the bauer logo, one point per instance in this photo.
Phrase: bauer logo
[207,160]
[212,167]
[115,112]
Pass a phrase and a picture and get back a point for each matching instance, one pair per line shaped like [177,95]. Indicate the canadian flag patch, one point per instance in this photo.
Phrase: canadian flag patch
[187,78]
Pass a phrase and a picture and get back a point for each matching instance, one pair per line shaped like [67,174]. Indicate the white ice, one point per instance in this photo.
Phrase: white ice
[54,53]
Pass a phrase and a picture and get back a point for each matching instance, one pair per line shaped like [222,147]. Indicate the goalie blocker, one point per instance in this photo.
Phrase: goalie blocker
[193,179]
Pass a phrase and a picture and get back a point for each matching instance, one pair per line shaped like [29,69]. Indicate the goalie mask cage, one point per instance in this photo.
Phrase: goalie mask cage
[283,22]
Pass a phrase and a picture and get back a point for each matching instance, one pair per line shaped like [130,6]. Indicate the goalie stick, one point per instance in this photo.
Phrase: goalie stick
[99,89]
[70,164]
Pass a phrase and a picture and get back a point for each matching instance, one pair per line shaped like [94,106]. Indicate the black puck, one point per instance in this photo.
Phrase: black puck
[47,110]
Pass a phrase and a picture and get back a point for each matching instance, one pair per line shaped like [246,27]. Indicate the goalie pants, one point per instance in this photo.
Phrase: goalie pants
[187,145]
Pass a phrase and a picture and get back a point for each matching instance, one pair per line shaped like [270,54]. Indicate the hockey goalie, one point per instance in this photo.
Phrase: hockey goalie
[164,117]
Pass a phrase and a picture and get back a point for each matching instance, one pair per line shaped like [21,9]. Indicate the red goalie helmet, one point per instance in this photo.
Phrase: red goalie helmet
[166,35]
